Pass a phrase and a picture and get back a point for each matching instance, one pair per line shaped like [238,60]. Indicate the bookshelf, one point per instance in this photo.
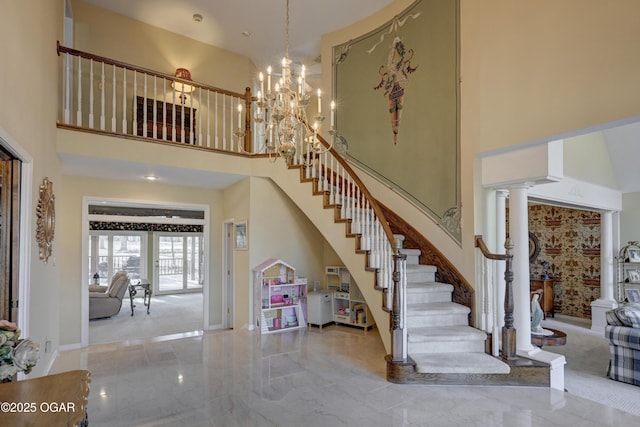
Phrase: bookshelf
[349,305]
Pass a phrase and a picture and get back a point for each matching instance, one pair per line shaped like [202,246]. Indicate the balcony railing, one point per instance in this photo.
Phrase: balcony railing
[106,95]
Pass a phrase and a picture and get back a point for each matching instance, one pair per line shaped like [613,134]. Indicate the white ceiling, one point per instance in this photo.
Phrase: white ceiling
[224,22]
[223,25]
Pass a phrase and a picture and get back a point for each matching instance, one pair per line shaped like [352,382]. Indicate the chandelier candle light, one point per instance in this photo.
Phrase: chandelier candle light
[281,107]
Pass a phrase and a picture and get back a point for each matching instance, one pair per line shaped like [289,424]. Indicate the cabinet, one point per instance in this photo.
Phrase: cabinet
[184,120]
[320,308]
[546,298]
[280,298]
[349,306]
[628,272]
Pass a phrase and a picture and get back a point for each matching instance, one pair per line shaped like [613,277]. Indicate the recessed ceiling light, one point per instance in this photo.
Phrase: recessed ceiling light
[246,33]
[150,177]
[197,17]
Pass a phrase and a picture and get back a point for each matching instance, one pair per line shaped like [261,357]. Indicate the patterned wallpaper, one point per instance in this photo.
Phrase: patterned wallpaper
[570,242]
[135,226]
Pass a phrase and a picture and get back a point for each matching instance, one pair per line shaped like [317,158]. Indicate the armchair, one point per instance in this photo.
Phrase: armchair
[106,301]
[623,333]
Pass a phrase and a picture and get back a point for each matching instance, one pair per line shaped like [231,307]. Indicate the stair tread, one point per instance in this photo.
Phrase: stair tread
[436,308]
[459,363]
[445,333]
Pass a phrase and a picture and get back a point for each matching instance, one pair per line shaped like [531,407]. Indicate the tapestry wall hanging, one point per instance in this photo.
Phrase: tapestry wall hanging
[396,90]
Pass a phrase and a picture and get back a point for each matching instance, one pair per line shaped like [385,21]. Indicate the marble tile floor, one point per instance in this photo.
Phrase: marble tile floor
[298,378]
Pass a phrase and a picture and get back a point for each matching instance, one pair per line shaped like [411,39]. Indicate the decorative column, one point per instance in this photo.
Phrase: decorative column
[519,234]
[501,237]
[606,301]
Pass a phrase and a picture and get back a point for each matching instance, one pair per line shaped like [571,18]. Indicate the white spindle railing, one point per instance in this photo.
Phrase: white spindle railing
[355,205]
[129,100]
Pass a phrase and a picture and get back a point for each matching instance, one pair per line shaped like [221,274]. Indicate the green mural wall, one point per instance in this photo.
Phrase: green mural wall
[396,91]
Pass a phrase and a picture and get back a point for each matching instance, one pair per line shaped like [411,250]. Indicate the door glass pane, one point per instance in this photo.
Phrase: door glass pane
[194,262]
[114,253]
[170,265]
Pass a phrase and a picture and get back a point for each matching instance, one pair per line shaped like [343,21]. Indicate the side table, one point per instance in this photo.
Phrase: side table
[133,291]
[558,338]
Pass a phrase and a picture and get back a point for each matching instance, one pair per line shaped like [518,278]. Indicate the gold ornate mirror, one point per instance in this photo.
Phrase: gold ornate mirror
[46,212]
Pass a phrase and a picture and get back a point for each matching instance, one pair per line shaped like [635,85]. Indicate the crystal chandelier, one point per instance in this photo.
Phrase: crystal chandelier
[281,110]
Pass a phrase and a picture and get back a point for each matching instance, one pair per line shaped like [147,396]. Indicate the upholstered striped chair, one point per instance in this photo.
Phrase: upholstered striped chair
[623,333]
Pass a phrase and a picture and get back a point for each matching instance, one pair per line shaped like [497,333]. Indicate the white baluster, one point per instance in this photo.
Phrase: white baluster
[343,191]
[174,133]
[216,142]
[145,119]
[79,111]
[66,90]
[91,116]
[224,123]
[208,118]
[113,100]
[124,101]
[155,110]
[200,117]
[164,108]
[135,104]
[182,131]
[102,100]
[332,182]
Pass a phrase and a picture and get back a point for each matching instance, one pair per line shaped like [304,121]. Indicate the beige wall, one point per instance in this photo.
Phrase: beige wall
[109,34]
[278,229]
[586,158]
[70,200]
[237,208]
[29,31]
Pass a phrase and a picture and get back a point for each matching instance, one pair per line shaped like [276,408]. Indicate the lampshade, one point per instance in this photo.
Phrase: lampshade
[183,73]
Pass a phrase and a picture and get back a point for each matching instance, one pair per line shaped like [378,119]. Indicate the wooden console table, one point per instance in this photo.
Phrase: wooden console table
[546,299]
[53,400]
[184,120]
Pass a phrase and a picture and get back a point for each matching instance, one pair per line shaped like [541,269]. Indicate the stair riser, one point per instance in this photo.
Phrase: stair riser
[439,320]
[420,276]
[425,297]
[472,346]
[413,259]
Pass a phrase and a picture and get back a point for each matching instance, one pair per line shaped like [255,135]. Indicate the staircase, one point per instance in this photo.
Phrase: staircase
[440,338]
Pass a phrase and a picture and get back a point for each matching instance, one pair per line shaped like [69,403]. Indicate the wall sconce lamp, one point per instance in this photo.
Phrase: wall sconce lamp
[183,88]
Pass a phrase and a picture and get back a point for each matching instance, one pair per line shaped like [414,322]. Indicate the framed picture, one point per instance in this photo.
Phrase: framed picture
[634,276]
[633,295]
[242,236]
[634,255]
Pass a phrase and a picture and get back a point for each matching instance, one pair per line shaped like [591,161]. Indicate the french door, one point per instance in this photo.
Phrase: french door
[178,262]
[113,251]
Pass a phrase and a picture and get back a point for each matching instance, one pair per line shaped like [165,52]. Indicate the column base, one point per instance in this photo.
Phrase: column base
[598,309]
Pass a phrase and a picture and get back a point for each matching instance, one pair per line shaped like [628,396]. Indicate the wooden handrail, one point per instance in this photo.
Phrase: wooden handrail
[109,61]
[485,251]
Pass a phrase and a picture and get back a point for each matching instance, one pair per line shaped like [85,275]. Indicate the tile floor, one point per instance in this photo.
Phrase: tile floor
[298,378]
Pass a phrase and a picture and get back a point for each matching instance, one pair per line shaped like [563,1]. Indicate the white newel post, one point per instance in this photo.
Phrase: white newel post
[606,301]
